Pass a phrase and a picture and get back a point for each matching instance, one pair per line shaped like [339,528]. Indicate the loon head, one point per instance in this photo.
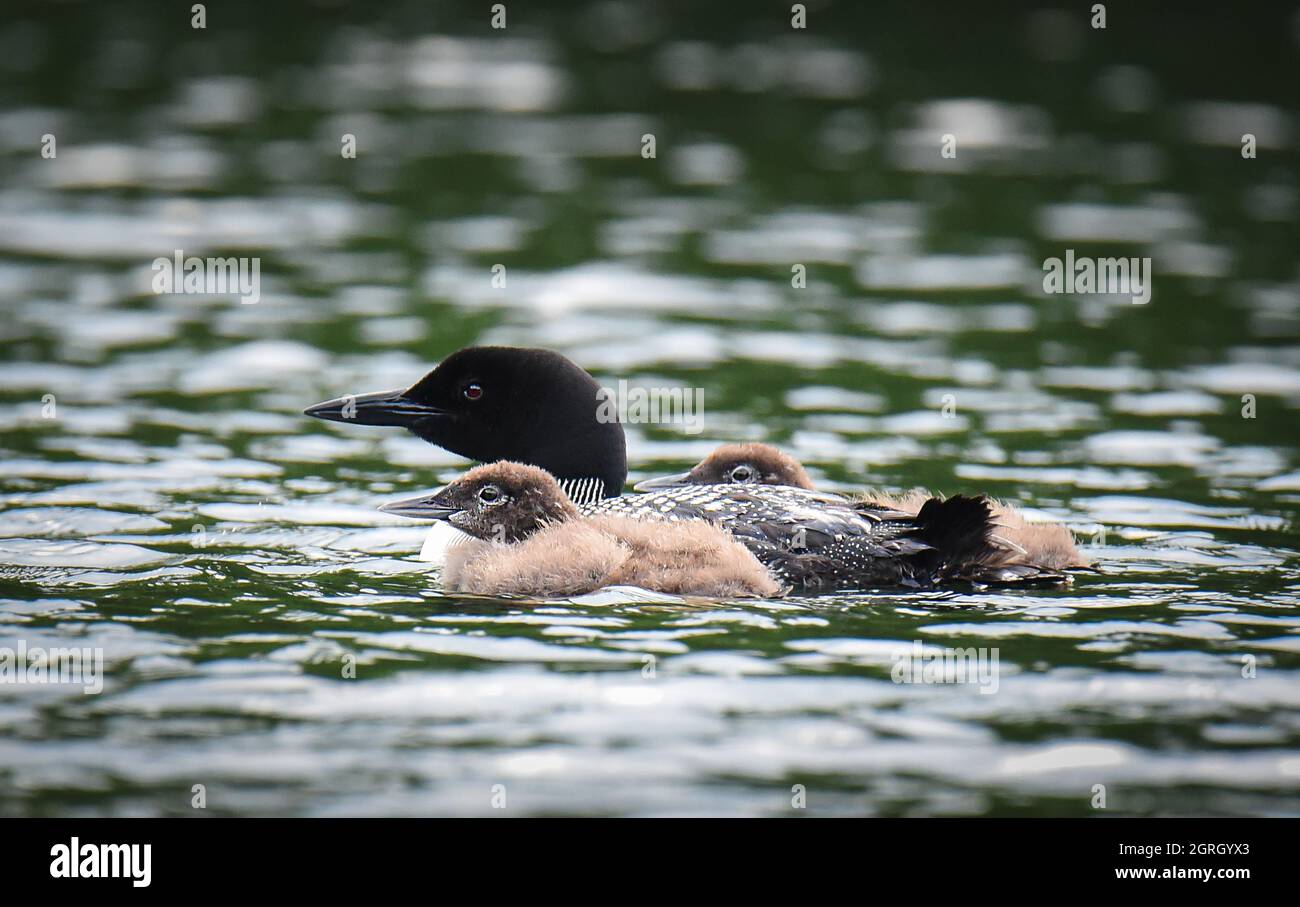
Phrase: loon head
[491,403]
[739,464]
[501,502]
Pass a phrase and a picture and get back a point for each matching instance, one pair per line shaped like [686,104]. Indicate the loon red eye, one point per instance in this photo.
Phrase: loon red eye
[742,473]
[489,494]
[473,391]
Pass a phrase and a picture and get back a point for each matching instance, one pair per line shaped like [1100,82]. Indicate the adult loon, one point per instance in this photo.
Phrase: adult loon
[810,541]
[530,539]
[537,407]
[490,403]
[1032,550]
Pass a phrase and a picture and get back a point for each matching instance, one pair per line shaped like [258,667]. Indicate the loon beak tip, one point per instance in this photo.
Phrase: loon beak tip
[320,410]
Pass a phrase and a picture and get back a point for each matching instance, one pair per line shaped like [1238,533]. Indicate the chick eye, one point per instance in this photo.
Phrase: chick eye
[472,391]
[489,494]
[742,473]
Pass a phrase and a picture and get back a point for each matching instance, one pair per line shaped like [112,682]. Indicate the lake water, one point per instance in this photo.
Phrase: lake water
[165,501]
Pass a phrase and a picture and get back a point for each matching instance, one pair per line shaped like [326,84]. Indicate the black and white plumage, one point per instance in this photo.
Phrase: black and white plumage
[584,491]
[820,542]
[1016,552]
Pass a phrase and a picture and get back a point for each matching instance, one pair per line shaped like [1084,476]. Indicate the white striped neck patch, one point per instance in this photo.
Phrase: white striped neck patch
[584,491]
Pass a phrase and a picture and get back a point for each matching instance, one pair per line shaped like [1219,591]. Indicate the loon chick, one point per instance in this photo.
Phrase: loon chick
[492,403]
[1030,551]
[749,463]
[531,539]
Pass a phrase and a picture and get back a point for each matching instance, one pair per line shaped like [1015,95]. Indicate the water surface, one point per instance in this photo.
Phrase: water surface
[164,500]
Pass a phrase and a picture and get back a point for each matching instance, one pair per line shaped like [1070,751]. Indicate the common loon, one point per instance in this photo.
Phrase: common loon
[490,403]
[1032,550]
[535,406]
[810,541]
[529,538]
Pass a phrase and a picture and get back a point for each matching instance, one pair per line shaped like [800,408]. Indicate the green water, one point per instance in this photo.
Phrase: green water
[168,504]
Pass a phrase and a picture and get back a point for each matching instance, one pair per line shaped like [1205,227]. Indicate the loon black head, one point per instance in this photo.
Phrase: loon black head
[739,464]
[492,403]
[502,502]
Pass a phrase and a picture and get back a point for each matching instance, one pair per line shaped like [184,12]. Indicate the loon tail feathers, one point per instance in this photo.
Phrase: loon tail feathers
[962,530]
[957,528]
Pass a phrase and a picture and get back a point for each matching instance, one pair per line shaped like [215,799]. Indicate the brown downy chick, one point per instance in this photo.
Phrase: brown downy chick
[532,540]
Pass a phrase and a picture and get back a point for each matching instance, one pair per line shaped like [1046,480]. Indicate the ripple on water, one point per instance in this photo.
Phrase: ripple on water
[37,552]
[55,522]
